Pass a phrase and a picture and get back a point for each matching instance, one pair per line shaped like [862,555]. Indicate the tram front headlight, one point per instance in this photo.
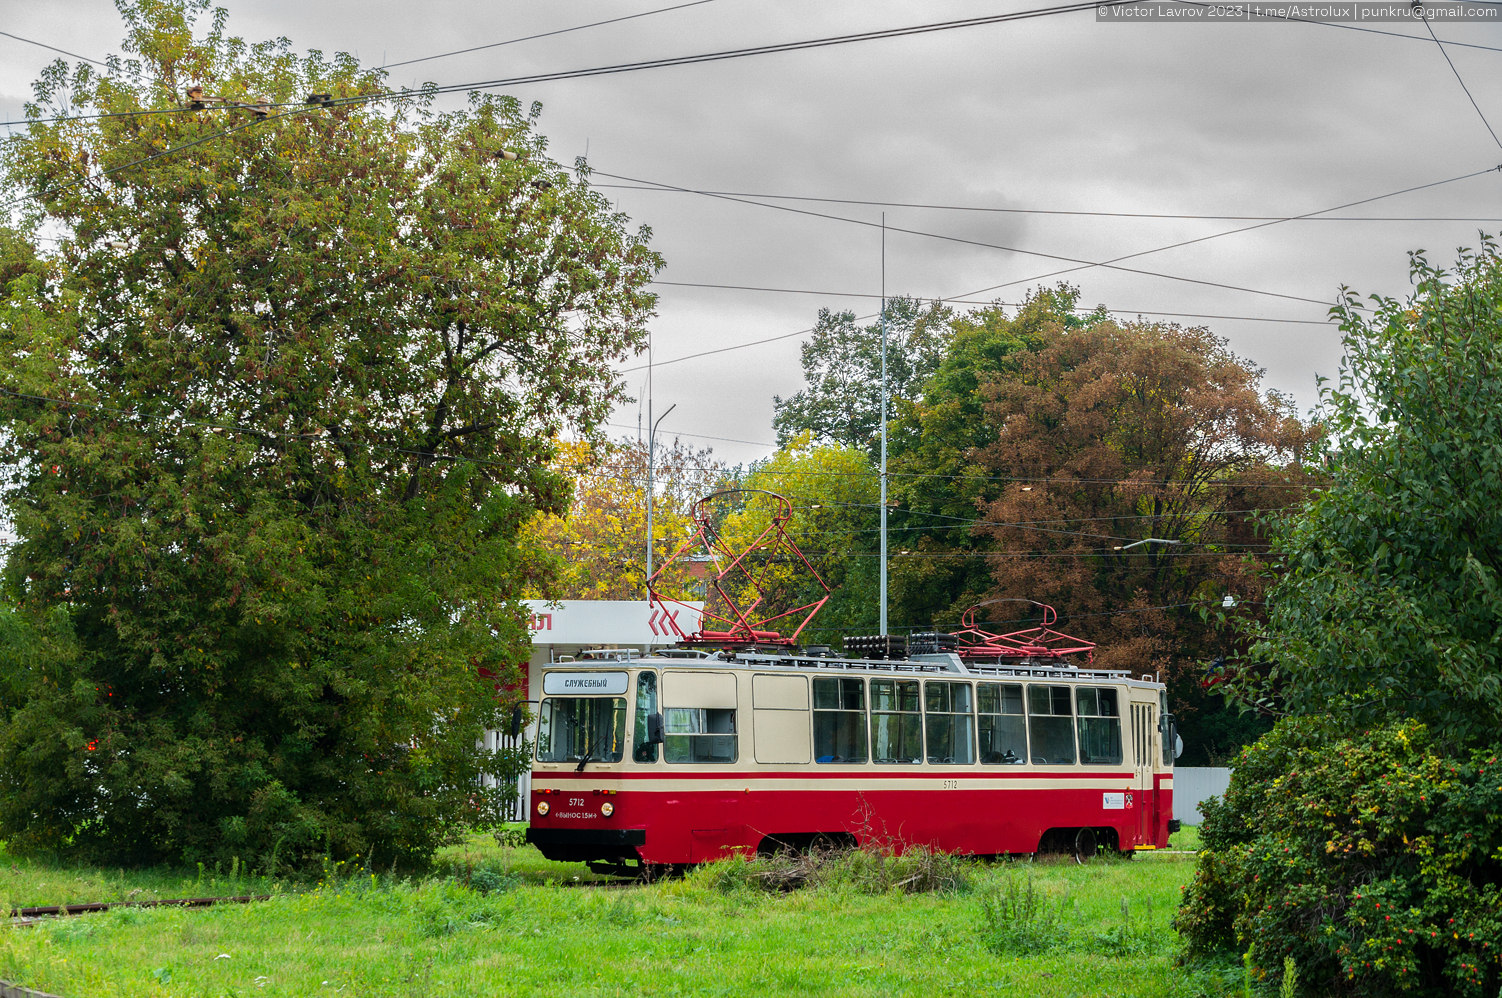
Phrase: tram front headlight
[607,809]
[542,807]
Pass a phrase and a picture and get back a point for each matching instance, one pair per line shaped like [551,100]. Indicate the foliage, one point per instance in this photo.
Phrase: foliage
[599,542]
[1390,604]
[1362,838]
[937,483]
[833,491]
[1373,862]
[842,363]
[274,412]
[1109,435]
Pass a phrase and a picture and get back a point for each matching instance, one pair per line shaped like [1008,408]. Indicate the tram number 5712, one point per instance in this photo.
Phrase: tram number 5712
[951,784]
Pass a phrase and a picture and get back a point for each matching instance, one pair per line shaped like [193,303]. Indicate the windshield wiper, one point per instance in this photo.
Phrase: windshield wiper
[588,751]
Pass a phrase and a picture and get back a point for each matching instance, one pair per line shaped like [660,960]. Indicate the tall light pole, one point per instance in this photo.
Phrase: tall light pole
[883,424]
[651,477]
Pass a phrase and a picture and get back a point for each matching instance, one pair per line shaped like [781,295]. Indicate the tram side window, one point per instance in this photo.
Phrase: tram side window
[1003,728]
[698,734]
[1099,725]
[646,706]
[896,724]
[951,723]
[1051,725]
[839,719]
[571,729]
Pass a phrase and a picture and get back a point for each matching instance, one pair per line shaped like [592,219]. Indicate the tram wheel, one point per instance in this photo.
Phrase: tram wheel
[1085,846]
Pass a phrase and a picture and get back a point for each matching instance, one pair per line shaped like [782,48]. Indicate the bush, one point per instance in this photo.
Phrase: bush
[1373,863]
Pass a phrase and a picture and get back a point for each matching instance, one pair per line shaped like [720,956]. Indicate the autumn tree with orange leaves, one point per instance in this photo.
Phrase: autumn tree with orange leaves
[1132,461]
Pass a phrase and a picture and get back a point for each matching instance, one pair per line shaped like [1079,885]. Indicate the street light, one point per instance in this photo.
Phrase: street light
[651,468]
[1145,540]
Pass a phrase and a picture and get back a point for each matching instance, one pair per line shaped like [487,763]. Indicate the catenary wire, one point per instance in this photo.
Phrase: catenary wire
[697,436]
[1239,229]
[1087,264]
[225,132]
[643,64]
[1459,79]
[544,34]
[1083,264]
[779,47]
[1268,15]
[979,301]
[1175,216]
[1014,479]
[800,46]
[53,48]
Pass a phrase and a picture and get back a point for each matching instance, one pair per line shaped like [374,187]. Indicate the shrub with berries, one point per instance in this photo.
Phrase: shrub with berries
[1373,860]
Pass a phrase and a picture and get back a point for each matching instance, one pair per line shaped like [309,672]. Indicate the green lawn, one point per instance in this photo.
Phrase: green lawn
[1104,931]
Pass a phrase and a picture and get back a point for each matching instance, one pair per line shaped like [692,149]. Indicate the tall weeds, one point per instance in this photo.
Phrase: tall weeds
[860,870]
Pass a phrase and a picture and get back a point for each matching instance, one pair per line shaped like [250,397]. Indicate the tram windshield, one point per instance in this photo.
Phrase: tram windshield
[581,729]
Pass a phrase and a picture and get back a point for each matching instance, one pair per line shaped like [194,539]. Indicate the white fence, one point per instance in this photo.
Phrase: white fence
[1191,785]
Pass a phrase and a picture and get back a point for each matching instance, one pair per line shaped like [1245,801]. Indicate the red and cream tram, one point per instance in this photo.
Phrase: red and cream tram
[658,761]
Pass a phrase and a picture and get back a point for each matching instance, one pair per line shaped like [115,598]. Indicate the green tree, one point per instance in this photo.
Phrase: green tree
[273,417]
[842,365]
[1390,603]
[1363,836]
[834,491]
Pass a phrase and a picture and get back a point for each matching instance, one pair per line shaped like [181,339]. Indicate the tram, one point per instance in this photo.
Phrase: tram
[975,743]
[658,762]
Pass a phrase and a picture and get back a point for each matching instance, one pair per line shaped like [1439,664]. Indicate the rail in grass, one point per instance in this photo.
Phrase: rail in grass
[654,762]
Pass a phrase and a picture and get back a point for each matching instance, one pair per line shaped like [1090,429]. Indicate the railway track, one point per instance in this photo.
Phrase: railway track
[20,917]
[31,916]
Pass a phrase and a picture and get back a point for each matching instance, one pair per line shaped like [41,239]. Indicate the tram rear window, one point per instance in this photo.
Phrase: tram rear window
[1100,725]
[571,729]
[1166,735]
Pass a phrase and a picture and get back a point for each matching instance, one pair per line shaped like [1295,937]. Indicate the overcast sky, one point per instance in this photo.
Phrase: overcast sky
[1059,113]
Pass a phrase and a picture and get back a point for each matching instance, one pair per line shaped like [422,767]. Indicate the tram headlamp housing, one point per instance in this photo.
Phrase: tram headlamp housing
[542,807]
[607,809]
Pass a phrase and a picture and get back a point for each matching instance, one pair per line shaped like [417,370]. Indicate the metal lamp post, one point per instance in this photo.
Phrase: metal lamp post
[651,478]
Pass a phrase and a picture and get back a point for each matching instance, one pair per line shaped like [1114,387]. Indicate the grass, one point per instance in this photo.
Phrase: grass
[1187,837]
[1104,931]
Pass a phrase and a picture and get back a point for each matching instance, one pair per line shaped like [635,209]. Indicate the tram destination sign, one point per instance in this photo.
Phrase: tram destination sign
[575,683]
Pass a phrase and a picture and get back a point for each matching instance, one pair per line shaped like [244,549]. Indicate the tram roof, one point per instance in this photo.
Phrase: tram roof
[941,663]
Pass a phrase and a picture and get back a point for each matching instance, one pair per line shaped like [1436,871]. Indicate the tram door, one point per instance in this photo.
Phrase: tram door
[1144,751]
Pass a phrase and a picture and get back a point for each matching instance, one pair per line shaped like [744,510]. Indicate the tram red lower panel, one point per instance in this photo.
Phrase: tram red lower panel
[693,824]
